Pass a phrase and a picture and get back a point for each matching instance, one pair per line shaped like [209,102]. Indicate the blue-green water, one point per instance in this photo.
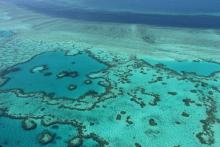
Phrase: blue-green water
[89,73]
[5,34]
[14,134]
[198,67]
[73,70]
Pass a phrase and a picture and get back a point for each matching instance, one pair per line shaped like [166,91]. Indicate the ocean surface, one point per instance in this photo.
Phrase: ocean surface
[159,13]
[95,73]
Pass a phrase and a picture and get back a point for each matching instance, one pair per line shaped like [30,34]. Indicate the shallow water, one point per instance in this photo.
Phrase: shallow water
[201,68]
[114,74]
[56,74]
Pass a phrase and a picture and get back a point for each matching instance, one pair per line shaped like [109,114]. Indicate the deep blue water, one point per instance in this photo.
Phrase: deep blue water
[106,12]
[169,6]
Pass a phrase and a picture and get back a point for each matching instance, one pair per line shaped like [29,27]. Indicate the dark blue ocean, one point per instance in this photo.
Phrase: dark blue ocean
[171,13]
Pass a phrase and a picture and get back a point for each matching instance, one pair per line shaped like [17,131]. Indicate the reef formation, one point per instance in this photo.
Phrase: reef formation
[98,98]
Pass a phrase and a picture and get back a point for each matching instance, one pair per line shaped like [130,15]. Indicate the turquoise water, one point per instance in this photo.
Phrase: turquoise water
[198,67]
[73,70]
[5,34]
[16,134]
[95,73]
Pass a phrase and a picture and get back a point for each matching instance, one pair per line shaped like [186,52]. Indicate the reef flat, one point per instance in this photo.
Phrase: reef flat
[71,83]
[162,104]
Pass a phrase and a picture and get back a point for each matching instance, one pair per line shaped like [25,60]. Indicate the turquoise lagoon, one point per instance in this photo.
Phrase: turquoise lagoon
[57,75]
[110,74]
[202,68]
[15,133]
